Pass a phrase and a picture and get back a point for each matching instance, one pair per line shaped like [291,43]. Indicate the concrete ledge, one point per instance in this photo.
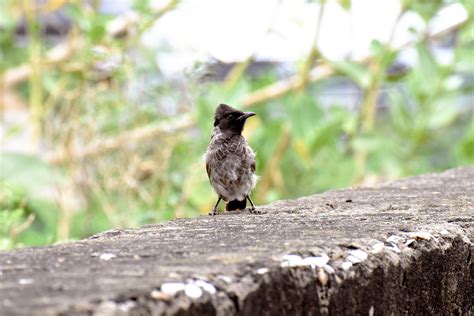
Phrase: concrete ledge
[404,247]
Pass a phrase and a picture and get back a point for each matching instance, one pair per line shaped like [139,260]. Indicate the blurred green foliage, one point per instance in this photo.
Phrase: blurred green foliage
[121,160]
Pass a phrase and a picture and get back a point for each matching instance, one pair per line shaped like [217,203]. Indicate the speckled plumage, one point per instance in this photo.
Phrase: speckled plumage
[230,161]
[233,165]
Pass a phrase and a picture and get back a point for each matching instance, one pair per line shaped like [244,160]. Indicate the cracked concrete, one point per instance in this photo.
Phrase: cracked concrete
[404,247]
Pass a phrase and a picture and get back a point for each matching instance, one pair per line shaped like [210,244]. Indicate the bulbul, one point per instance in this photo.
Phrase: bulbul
[230,161]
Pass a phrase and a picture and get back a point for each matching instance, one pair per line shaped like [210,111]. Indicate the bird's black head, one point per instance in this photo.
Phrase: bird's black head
[230,119]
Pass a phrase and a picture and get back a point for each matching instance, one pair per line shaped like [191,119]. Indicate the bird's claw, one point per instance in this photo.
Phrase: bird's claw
[213,213]
[253,210]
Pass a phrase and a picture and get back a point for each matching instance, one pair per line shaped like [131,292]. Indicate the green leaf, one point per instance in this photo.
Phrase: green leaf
[443,116]
[97,32]
[377,48]
[346,4]
[426,60]
[143,6]
[358,73]
[7,20]
[266,139]
[401,117]
[329,129]
[28,172]
[304,115]
[424,79]
[426,9]
[465,149]
[368,143]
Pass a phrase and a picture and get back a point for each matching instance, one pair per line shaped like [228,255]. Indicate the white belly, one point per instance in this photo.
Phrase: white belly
[231,180]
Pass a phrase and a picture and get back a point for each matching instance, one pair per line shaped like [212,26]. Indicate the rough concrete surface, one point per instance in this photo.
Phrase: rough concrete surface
[401,248]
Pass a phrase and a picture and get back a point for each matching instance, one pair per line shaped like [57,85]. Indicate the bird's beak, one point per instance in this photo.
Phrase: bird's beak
[246,115]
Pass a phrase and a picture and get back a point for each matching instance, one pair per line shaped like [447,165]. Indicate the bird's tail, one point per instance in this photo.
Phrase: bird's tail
[236,205]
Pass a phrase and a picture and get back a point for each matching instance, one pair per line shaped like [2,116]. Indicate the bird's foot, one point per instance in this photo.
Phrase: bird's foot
[253,210]
[213,212]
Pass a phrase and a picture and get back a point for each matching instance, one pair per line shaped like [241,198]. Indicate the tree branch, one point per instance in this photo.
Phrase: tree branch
[140,134]
[294,83]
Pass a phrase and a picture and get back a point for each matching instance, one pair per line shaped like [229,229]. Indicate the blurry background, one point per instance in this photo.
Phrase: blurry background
[107,105]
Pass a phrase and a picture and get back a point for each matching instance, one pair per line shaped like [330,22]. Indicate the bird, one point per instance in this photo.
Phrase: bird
[230,161]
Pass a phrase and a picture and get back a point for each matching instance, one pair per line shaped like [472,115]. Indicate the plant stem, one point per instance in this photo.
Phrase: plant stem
[35,57]
[237,72]
[314,52]
[272,169]
[369,105]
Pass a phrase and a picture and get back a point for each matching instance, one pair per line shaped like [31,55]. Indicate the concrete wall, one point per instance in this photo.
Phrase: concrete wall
[404,247]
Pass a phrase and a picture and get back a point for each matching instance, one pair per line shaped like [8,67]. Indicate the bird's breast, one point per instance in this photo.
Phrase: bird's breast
[230,161]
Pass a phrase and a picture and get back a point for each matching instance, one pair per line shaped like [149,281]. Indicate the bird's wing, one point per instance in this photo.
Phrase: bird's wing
[208,169]
[253,166]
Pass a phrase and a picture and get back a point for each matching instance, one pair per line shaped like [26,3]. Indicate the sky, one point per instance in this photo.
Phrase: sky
[283,31]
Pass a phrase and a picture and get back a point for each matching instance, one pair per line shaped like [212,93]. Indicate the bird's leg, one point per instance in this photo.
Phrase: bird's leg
[252,208]
[214,209]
